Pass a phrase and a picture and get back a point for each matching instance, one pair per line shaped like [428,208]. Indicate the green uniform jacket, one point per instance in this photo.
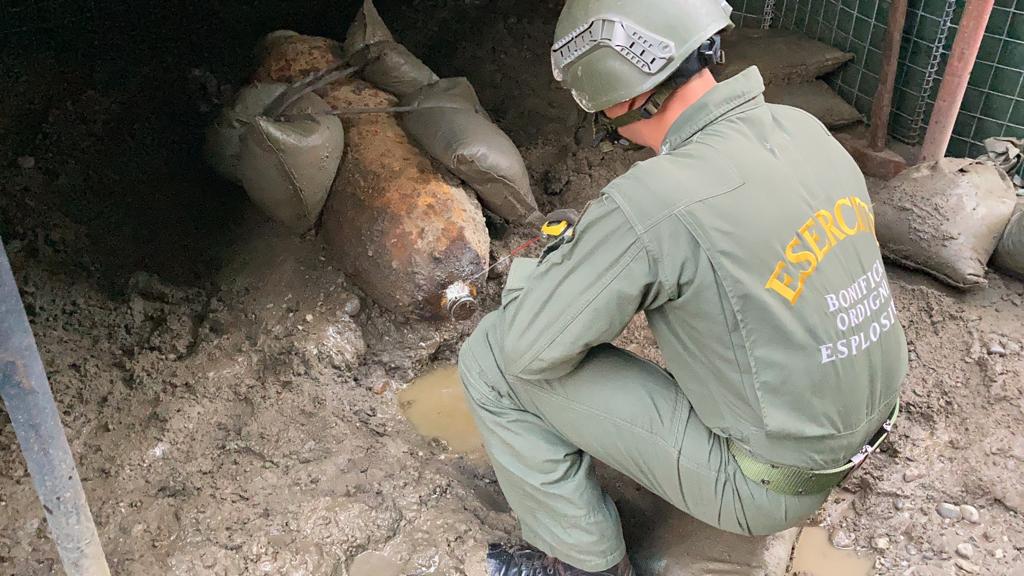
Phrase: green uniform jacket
[749,244]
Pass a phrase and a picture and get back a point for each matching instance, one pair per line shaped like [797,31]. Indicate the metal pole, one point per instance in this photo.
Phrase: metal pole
[33,413]
[954,80]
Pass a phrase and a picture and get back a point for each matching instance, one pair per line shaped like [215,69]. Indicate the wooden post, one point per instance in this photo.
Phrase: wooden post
[955,77]
[882,106]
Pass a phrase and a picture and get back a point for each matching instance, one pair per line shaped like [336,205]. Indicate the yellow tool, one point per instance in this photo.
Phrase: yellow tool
[560,223]
[558,229]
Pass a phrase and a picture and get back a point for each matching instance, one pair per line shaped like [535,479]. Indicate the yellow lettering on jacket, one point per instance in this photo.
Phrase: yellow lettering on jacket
[822,231]
[841,220]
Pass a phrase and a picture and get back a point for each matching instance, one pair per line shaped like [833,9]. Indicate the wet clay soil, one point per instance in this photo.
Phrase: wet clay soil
[233,401]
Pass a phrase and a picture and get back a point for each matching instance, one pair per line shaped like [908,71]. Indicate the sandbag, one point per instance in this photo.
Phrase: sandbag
[367,28]
[392,68]
[1005,153]
[452,127]
[944,218]
[287,166]
[223,137]
[1009,255]
[293,57]
[400,230]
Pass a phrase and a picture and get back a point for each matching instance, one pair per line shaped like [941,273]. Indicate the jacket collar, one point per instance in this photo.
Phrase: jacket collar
[733,94]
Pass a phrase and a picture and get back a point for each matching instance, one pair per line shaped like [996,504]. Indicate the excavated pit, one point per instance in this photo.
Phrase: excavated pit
[234,402]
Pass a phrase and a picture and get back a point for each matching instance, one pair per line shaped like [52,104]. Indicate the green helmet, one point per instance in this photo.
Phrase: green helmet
[609,51]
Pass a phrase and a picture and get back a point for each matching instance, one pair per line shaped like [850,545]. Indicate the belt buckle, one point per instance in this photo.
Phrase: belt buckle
[861,455]
[857,460]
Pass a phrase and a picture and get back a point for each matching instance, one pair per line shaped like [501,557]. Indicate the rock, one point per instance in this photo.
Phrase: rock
[26,162]
[1011,496]
[309,317]
[352,307]
[881,543]
[948,511]
[842,539]
[899,504]
[912,475]
[965,550]
[999,554]
[996,349]
[967,566]
[970,513]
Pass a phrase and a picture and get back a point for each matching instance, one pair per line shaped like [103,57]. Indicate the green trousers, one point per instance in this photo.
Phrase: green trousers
[542,436]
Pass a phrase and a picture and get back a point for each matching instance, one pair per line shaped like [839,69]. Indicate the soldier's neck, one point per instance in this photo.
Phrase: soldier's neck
[653,131]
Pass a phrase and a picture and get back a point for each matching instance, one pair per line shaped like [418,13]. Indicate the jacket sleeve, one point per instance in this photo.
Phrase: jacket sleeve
[579,296]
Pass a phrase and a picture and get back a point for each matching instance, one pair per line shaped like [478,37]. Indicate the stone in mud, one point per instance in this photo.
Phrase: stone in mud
[352,306]
[842,539]
[783,56]
[818,99]
[970,513]
[912,475]
[966,566]
[948,511]
[401,231]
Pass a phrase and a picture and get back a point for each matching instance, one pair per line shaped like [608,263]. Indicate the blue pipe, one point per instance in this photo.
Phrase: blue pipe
[36,421]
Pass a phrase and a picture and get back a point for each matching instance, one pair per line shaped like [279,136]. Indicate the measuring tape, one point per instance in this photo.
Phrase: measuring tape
[558,229]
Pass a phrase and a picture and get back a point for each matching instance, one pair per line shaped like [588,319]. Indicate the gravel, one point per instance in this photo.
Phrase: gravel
[948,511]
[970,513]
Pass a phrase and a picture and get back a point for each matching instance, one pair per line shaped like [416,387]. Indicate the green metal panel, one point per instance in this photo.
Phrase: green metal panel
[994,102]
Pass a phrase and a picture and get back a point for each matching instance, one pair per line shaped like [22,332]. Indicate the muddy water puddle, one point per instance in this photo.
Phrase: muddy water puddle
[436,406]
[816,556]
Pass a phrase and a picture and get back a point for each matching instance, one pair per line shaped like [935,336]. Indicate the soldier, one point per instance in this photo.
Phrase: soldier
[748,242]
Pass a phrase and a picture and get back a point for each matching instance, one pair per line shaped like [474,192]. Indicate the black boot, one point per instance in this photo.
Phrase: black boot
[527,561]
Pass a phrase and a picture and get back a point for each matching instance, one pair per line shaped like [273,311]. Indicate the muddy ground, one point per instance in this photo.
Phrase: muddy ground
[231,399]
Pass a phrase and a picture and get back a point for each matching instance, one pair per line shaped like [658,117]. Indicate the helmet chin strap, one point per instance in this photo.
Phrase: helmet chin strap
[710,52]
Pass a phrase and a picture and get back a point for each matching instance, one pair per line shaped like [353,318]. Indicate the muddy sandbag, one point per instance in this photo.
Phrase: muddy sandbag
[401,231]
[944,218]
[287,165]
[392,68]
[452,127]
[368,28]
[224,136]
[284,57]
[1009,255]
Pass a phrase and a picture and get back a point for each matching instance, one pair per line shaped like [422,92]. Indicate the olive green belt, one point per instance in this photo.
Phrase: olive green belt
[793,481]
